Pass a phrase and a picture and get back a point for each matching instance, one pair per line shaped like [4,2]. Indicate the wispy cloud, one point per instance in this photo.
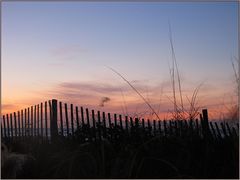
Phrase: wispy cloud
[67,51]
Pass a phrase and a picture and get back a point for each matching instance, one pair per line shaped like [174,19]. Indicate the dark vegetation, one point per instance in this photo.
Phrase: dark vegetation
[135,149]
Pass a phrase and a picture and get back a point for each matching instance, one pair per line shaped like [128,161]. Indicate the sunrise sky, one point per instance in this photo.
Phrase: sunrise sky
[62,49]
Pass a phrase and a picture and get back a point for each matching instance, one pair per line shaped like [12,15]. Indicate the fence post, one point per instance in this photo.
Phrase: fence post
[205,124]
[53,123]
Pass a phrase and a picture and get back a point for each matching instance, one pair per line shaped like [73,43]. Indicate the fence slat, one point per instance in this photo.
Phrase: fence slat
[8,126]
[22,123]
[15,124]
[149,127]
[77,118]
[4,126]
[104,125]
[88,122]
[61,118]
[115,120]
[131,123]
[143,124]
[165,127]
[72,120]
[197,126]
[46,121]
[218,131]
[38,120]
[11,125]
[120,119]
[1,131]
[229,130]
[136,123]
[25,122]
[35,120]
[110,125]
[223,129]
[94,124]
[159,127]
[28,122]
[154,127]
[66,118]
[234,133]
[31,120]
[126,123]
[82,116]
[213,130]
[176,128]
[19,125]
[99,125]
[53,122]
[41,118]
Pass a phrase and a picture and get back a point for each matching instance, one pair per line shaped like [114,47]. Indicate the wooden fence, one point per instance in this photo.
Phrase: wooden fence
[52,120]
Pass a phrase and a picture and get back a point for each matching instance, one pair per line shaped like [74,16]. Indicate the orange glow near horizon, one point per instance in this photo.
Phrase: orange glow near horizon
[130,104]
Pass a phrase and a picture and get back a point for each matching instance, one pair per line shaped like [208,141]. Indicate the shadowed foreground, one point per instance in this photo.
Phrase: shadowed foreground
[100,147]
[138,155]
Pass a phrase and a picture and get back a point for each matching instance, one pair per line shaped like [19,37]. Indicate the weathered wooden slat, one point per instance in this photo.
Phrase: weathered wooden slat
[94,124]
[15,124]
[28,121]
[109,120]
[38,119]
[213,130]
[82,116]
[11,125]
[143,123]
[72,124]
[46,121]
[120,119]
[53,122]
[88,121]
[19,124]
[25,122]
[224,129]
[131,122]
[181,129]
[218,131]
[115,120]
[234,133]
[104,125]
[197,127]
[176,130]
[110,125]
[149,127]
[66,119]
[165,127]
[31,121]
[22,123]
[126,123]
[170,127]
[61,118]
[41,117]
[77,117]
[4,126]
[35,120]
[1,130]
[99,125]
[229,130]
[8,126]
[154,128]
[159,127]
[136,123]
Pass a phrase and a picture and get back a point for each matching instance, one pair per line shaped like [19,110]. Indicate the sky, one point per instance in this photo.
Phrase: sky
[63,50]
